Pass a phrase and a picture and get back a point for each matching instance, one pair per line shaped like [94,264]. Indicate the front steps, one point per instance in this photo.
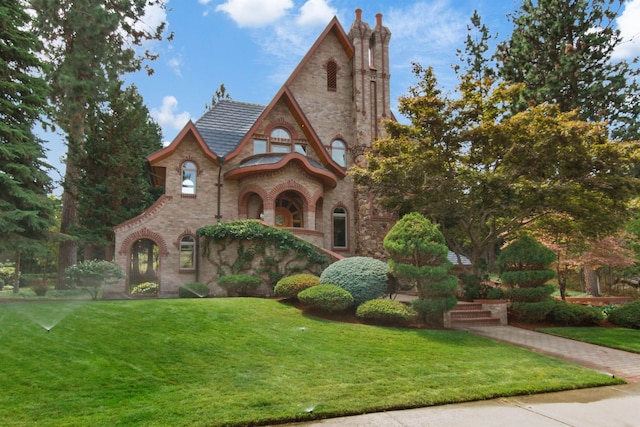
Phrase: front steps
[477,313]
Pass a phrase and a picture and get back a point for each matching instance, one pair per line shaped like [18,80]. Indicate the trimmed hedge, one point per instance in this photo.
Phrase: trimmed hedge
[193,290]
[576,314]
[627,315]
[363,277]
[326,297]
[538,294]
[384,311]
[239,284]
[532,312]
[290,287]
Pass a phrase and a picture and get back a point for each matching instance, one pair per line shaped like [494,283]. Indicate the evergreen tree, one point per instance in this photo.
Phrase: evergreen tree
[92,43]
[113,183]
[26,213]
[562,50]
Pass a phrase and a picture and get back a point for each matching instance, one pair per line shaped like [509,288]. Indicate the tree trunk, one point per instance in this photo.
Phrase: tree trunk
[592,285]
[16,274]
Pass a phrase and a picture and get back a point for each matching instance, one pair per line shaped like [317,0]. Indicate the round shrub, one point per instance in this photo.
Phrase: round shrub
[193,290]
[239,284]
[576,314]
[326,297]
[532,312]
[524,263]
[363,277]
[290,287]
[627,316]
[385,312]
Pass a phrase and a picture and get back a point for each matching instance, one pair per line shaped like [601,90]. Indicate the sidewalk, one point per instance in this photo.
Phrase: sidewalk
[599,406]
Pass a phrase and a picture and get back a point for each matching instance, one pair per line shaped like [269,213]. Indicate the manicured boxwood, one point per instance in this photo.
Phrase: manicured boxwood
[627,316]
[193,290]
[576,314]
[537,294]
[290,287]
[532,312]
[326,297]
[364,278]
[239,284]
[384,311]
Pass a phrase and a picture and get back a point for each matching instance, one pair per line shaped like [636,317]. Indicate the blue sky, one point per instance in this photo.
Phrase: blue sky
[253,45]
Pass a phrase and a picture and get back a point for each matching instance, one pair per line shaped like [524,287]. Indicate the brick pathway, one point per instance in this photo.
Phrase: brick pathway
[615,362]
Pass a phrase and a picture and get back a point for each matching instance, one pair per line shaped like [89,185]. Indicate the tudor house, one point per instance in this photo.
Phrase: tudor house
[285,163]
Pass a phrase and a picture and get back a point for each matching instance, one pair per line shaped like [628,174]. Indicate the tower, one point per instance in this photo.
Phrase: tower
[371,105]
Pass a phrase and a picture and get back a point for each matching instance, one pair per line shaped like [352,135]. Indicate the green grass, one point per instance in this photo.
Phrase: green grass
[620,338]
[239,361]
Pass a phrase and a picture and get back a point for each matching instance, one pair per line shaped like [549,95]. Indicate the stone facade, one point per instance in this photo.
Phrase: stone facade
[283,167]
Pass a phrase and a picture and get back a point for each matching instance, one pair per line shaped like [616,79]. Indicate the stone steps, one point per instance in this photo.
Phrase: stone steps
[466,315]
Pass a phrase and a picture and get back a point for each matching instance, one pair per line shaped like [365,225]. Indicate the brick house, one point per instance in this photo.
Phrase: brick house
[285,163]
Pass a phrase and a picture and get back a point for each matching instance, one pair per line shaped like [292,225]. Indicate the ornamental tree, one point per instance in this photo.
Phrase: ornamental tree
[93,275]
[418,255]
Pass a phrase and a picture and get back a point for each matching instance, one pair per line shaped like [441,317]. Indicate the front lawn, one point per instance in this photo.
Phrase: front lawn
[620,338]
[239,361]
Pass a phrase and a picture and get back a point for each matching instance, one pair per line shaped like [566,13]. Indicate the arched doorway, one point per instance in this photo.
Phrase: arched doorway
[144,265]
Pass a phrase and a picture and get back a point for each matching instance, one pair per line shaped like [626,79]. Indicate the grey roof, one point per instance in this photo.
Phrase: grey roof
[269,159]
[454,259]
[226,123]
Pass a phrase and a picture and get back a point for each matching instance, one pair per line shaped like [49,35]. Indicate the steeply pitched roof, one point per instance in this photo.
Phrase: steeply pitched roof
[226,124]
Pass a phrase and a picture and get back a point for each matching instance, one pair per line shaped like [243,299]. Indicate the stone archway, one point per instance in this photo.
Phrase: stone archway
[144,267]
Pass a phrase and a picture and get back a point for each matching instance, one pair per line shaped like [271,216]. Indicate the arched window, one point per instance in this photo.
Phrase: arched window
[339,152]
[280,141]
[339,228]
[332,73]
[187,253]
[189,172]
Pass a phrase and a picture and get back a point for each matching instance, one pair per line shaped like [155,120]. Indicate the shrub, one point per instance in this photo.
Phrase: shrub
[239,284]
[576,314]
[39,288]
[495,293]
[532,312]
[627,315]
[326,297]
[541,293]
[524,263]
[146,288]
[385,312]
[290,287]
[93,275]
[432,310]
[363,277]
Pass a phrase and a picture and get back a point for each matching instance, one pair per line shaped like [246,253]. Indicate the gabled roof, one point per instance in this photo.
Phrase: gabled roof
[225,125]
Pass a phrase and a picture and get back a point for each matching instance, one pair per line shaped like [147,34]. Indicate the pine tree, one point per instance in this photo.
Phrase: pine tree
[92,43]
[26,213]
[113,183]
[562,50]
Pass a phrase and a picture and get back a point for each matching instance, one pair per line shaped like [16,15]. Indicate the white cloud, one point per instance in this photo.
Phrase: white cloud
[629,30]
[314,13]
[167,117]
[175,63]
[255,13]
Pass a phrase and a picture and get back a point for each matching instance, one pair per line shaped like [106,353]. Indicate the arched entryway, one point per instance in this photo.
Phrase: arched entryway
[288,211]
[144,265]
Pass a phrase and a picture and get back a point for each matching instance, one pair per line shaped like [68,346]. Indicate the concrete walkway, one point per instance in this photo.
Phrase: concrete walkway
[599,406]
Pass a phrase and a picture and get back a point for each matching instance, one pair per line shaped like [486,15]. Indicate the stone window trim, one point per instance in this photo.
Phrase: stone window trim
[345,215]
[297,144]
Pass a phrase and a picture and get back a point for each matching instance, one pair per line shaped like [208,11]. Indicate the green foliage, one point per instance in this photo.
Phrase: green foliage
[326,297]
[290,287]
[532,312]
[270,252]
[39,288]
[146,288]
[524,263]
[495,293]
[92,275]
[416,241]
[363,277]
[193,290]
[540,293]
[627,315]
[384,311]
[26,212]
[576,314]
[239,284]
[432,310]
[7,274]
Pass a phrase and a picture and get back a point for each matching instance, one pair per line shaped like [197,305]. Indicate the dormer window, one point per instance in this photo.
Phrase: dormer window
[280,141]
[189,172]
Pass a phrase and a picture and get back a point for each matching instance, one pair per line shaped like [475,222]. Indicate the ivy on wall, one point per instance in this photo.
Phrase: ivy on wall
[261,250]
